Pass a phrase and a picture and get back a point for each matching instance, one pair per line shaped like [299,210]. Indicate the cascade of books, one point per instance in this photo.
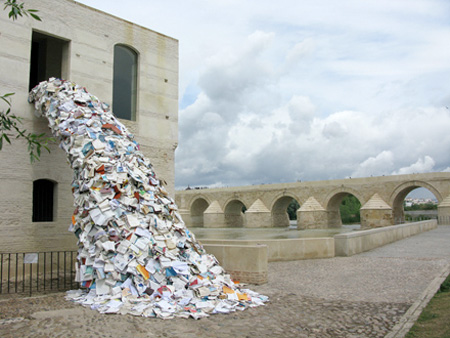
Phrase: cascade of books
[135,253]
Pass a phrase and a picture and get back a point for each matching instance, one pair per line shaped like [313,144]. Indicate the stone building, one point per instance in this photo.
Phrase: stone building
[126,65]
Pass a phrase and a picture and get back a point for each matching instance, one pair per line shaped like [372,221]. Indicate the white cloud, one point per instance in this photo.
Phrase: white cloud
[230,78]
[334,129]
[259,41]
[300,50]
[422,165]
[378,165]
[301,110]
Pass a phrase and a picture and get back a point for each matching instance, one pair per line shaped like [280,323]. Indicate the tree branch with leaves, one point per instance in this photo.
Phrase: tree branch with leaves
[18,9]
[10,127]
[10,124]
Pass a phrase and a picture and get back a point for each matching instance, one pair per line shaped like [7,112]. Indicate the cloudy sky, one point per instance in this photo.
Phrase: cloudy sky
[287,90]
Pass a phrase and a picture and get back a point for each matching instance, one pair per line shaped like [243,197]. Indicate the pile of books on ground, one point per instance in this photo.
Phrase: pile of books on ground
[135,253]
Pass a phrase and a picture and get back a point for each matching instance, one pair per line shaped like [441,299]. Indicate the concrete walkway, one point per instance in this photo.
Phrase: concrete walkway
[375,294]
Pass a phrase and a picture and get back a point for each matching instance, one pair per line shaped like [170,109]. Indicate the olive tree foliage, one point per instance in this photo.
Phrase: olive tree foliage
[18,9]
[10,124]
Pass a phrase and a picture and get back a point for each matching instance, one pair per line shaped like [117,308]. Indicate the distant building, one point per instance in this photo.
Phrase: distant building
[128,66]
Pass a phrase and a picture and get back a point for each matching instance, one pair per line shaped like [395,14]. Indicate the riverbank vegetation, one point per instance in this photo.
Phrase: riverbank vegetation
[349,209]
[424,206]
[434,321]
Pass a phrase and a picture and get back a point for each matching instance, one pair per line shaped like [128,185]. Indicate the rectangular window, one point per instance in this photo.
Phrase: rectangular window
[49,58]
[43,200]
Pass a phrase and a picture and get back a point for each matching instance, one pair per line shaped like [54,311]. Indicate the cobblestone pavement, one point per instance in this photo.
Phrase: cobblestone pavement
[360,296]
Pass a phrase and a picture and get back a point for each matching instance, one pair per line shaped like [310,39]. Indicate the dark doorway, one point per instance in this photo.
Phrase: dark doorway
[43,198]
[47,58]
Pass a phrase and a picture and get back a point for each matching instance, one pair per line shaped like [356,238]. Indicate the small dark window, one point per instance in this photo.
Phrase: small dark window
[47,58]
[125,82]
[43,192]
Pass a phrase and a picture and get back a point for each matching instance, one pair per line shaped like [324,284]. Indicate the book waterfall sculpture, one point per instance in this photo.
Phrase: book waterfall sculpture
[135,254]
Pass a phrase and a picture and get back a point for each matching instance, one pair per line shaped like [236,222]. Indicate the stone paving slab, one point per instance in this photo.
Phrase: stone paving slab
[366,295]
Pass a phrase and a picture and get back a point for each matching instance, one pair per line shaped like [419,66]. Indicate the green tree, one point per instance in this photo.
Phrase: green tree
[424,206]
[292,209]
[349,209]
[10,124]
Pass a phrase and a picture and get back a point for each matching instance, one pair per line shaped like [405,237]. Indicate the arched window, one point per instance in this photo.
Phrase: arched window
[125,82]
[43,193]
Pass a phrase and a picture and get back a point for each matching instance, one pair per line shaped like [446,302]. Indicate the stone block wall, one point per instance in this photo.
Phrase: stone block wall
[286,249]
[245,263]
[352,243]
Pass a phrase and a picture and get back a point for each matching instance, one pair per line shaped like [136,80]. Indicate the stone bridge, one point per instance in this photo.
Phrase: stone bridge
[381,201]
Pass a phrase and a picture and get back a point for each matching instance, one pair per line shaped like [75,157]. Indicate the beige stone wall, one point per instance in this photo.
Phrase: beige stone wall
[352,243]
[312,219]
[212,220]
[257,220]
[88,60]
[286,249]
[245,263]
[444,215]
[374,218]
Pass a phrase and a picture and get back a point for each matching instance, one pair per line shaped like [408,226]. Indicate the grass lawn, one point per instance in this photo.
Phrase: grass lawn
[434,321]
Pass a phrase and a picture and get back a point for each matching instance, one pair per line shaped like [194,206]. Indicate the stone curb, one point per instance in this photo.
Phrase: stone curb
[410,317]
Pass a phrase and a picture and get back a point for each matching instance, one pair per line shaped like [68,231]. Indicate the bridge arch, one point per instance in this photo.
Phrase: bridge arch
[278,209]
[401,191]
[234,214]
[333,202]
[198,207]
